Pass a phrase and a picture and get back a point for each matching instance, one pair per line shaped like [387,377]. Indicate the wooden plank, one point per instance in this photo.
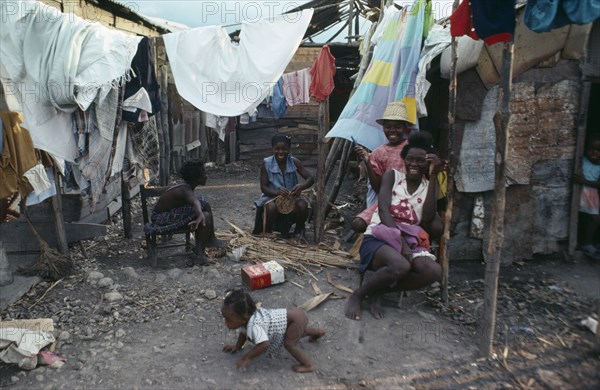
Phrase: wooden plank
[311,127]
[100,214]
[18,237]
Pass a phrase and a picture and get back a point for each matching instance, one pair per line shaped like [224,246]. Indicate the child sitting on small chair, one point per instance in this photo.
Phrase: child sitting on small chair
[178,206]
[269,330]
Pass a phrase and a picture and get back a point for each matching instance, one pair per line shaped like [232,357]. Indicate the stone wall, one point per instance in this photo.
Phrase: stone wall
[543,128]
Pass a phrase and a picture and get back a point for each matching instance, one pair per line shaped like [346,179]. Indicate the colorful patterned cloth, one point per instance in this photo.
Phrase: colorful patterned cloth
[171,220]
[391,76]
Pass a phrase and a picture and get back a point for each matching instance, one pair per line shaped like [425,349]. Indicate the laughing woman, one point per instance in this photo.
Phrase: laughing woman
[396,243]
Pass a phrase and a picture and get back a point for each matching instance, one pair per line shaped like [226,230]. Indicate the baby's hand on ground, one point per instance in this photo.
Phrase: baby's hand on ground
[230,348]
[242,363]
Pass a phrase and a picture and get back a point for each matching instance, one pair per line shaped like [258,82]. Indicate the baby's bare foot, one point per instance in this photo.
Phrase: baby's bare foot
[301,368]
[317,334]
[353,307]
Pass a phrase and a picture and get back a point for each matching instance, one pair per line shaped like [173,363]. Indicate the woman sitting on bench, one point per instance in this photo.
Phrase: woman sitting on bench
[396,243]
[178,206]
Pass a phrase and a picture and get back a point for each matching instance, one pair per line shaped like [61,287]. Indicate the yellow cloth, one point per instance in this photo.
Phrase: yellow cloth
[18,156]
[442,179]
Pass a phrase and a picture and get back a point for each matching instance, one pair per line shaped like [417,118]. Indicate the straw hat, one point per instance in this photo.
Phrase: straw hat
[285,204]
[395,111]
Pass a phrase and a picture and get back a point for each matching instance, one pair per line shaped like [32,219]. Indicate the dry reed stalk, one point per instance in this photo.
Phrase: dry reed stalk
[287,253]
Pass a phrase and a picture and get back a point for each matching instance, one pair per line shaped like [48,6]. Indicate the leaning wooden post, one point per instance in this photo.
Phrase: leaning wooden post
[126,207]
[598,330]
[332,157]
[584,99]
[320,187]
[59,221]
[496,238]
[339,178]
[165,147]
[452,162]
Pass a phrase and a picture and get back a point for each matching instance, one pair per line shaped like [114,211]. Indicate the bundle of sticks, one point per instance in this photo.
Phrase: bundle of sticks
[289,254]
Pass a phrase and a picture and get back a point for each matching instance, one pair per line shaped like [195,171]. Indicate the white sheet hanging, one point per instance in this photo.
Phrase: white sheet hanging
[53,63]
[228,79]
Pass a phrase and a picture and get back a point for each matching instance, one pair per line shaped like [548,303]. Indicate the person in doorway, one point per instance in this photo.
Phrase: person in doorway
[396,128]
[279,178]
[268,329]
[589,203]
[396,244]
[178,206]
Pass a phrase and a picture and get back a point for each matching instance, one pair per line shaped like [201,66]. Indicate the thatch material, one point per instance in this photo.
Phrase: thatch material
[288,253]
[52,264]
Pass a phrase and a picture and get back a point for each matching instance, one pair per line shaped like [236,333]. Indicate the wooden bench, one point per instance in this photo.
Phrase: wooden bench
[147,193]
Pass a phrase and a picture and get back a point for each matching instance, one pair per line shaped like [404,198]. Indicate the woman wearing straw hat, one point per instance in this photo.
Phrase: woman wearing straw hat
[396,127]
[280,205]
[396,246]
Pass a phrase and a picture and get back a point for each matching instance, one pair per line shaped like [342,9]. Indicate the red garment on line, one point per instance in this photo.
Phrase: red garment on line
[322,73]
[461,21]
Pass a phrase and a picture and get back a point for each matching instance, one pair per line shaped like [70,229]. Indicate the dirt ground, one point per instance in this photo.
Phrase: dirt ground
[166,331]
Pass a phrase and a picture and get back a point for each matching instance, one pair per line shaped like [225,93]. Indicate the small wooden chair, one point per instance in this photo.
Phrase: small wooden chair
[151,244]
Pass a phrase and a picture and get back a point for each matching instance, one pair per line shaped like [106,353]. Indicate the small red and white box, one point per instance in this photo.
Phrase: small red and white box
[262,275]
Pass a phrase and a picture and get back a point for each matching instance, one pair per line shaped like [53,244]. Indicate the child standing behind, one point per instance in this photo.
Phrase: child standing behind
[178,206]
[269,330]
[589,203]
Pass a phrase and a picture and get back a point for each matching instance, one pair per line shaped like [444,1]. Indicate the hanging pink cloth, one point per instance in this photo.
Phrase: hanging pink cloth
[322,73]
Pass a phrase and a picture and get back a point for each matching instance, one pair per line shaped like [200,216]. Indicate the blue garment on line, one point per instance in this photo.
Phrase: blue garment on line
[547,15]
[279,106]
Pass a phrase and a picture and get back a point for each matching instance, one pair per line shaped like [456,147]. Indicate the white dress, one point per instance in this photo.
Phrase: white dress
[404,207]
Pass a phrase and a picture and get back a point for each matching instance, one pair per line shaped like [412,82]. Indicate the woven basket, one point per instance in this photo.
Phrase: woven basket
[285,204]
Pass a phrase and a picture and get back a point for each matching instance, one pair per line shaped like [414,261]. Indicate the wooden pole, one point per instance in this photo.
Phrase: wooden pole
[347,148]
[350,17]
[598,329]
[332,157]
[165,147]
[126,207]
[319,220]
[452,162]
[584,102]
[496,238]
[59,221]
